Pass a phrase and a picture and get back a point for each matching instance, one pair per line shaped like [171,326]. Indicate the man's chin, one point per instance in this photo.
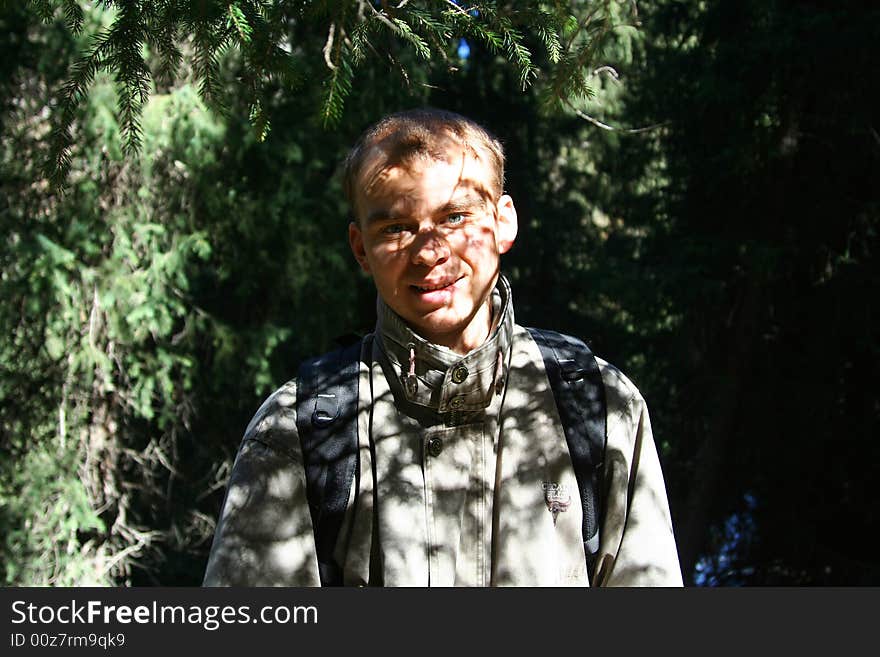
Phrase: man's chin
[440,333]
[439,328]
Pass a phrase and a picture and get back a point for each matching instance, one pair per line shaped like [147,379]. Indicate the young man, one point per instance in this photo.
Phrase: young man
[463,472]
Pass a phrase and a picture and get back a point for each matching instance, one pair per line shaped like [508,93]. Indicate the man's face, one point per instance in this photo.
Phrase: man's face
[430,234]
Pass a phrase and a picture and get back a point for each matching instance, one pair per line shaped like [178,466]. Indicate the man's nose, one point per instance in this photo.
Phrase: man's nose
[430,248]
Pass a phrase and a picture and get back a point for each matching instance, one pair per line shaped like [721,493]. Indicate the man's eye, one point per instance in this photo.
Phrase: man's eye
[455,219]
[393,229]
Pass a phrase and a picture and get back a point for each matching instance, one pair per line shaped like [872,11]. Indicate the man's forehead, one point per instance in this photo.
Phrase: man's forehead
[381,155]
[444,179]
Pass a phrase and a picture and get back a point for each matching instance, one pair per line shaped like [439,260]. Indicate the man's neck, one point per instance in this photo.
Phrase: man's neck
[474,334]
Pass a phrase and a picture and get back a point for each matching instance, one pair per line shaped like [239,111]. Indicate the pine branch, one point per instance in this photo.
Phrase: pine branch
[73,14]
[403,29]
[339,83]
[240,22]
[338,88]
[571,32]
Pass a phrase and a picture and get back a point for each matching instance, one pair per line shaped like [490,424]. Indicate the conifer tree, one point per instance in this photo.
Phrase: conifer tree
[151,40]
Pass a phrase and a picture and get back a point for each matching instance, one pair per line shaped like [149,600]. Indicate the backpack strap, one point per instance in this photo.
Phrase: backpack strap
[326,420]
[580,399]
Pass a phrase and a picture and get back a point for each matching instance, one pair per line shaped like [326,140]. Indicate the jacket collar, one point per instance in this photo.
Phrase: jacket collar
[444,380]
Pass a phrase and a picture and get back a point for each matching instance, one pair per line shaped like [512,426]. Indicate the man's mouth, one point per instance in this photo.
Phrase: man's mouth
[434,287]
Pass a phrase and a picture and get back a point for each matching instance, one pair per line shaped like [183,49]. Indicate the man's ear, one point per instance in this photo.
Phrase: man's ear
[356,242]
[506,224]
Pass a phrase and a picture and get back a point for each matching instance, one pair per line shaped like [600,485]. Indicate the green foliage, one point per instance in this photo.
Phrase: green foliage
[98,283]
[161,285]
[47,513]
[268,35]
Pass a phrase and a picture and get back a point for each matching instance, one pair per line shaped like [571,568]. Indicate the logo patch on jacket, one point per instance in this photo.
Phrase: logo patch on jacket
[557,498]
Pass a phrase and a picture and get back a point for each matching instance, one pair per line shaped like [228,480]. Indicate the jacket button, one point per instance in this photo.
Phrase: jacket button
[456,403]
[459,374]
[435,446]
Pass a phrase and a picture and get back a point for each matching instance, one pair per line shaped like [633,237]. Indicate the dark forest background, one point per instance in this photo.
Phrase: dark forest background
[716,239]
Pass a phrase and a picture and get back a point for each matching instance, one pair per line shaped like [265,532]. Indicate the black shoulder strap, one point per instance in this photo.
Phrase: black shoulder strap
[580,398]
[326,420]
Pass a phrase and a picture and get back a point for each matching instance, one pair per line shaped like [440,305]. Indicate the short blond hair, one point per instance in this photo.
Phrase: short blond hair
[426,133]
